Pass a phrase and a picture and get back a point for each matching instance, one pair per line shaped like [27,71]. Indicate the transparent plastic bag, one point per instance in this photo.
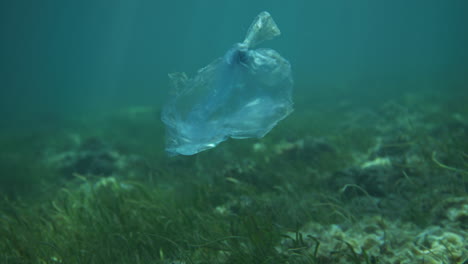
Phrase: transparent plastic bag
[244,94]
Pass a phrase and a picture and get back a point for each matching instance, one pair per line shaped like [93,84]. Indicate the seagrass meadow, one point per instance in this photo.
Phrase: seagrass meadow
[370,165]
[382,184]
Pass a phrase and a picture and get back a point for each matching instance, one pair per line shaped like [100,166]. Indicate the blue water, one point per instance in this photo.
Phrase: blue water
[64,57]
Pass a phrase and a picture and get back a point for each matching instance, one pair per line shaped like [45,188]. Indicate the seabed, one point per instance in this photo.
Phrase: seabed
[341,183]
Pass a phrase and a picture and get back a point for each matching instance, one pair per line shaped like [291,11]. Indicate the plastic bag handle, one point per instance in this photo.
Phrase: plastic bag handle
[262,28]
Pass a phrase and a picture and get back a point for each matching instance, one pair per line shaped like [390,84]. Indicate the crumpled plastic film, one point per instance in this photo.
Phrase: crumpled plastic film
[243,94]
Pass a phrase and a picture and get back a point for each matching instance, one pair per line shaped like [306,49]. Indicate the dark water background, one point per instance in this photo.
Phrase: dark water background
[60,58]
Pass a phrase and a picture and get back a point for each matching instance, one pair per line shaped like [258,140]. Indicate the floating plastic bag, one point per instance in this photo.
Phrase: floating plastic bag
[244,94]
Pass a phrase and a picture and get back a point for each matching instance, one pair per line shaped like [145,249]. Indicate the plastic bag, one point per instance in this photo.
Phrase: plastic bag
[244,94]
